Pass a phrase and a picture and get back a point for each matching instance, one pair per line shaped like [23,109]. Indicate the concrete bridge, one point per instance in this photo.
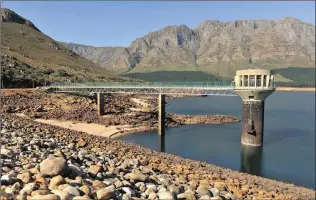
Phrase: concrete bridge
[252,85]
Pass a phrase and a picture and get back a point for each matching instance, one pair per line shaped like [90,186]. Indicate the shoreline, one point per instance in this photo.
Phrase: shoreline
[242,185]
[295,89]
[116,132]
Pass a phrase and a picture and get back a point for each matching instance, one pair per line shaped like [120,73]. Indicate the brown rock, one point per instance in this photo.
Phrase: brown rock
[221,186]
[105,193]
[41,181]
[53,166]
[95,169]
[40,192]
[45,197]
[98,184]
[82,143]
[56,181]
[25,177]
[85,190]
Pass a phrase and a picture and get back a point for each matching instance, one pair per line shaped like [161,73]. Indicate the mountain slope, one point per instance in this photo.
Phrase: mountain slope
[29,55]
[217,47]
[102,56]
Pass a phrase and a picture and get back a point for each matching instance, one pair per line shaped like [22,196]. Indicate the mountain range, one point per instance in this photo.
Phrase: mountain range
[212,46]
[211,49]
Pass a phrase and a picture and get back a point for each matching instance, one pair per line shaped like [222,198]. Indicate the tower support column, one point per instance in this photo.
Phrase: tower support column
[161,122]
[100,103]
[252,122]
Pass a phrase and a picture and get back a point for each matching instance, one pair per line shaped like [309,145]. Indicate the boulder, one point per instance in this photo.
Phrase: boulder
[53,166]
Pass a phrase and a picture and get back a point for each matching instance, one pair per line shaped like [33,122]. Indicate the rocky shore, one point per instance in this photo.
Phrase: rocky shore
[47,162]
[137,111]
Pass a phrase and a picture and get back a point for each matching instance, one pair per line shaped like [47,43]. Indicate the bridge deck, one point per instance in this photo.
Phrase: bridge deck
[145,88]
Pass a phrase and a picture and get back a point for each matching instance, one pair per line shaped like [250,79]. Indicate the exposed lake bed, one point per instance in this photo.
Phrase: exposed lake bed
[219,144]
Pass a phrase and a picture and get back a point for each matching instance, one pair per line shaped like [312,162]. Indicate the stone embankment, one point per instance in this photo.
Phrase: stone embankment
[44,162]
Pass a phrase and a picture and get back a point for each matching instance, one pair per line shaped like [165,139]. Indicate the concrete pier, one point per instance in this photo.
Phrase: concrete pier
[100,103]
[253,86]
[251,160]
[161,122]
[253,123]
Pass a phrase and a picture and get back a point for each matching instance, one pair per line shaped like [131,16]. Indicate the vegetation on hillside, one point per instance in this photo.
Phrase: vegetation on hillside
[304,76]
[28,56]
[175,76]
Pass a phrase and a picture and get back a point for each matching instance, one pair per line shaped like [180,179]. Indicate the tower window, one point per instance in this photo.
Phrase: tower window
[252,80]
[264,80]
[258,80]
[246,80]
[240,81]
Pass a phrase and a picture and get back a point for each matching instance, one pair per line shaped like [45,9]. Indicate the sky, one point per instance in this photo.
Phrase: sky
[118,23]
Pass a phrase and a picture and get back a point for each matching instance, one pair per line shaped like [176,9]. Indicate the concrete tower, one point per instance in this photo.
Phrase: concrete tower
[253,86]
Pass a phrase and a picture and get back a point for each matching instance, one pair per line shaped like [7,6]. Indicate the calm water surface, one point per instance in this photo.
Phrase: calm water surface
[288,153]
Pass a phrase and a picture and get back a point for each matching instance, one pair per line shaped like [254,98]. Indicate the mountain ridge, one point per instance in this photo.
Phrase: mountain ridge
[212,43]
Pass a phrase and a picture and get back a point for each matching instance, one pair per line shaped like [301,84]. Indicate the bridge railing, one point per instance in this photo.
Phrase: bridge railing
[146,84]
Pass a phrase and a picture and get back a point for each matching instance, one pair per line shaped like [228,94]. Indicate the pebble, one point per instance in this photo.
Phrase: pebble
[7,179]
[25,177]
[72,190]
[63,195]
[85,190]
[40,192]
[215,192]
[106,193]
[138,176]
[45,197]
[165,195]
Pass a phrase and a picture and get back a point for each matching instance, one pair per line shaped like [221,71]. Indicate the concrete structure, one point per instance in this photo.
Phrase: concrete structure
[208,88]
[161,122]
[100,103]
[253,86]
[251,160]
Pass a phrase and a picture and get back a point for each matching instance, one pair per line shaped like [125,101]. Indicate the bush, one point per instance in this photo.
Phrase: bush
[48,71]
[63,73]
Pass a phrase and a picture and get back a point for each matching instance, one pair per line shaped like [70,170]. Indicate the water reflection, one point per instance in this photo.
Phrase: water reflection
[161,143]
[251,160]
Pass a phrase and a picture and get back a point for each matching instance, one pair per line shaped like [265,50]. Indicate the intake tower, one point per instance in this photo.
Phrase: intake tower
[253,86]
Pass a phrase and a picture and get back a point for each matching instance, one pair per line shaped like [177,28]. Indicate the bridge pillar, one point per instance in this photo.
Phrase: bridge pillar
[100,103]
[161,122]
[253,86]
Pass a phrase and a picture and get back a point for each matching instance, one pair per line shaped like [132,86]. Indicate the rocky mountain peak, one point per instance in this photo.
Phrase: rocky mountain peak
[10,16]
[228,45]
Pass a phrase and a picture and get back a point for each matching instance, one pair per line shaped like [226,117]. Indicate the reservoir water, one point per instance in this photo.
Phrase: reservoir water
[288,153]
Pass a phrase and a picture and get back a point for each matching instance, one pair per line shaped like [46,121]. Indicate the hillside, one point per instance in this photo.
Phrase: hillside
[175,76]
[213,47]
[29,55]
[303,77]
